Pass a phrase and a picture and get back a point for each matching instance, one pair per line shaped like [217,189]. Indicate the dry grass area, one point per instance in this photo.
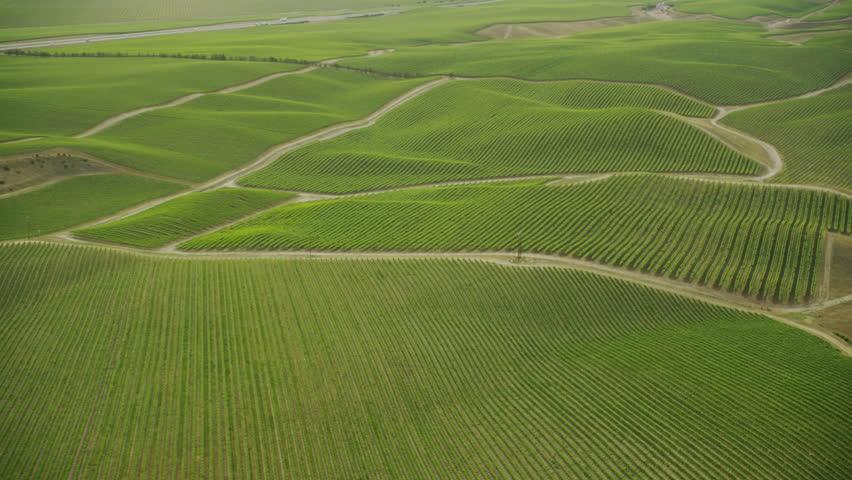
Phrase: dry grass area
[19,173]
[554,29]
[840,283]
[837,319]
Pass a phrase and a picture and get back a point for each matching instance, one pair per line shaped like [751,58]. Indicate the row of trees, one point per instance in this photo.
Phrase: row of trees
[197,56]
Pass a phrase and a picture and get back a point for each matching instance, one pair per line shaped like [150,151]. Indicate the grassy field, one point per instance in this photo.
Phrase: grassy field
[358,36]
[74,201]
[719,62]
[842,10]
[217,133]
[382,266]
[65,96]
[482,129]
[814,135]
[760,241]
[396,369]
[20,13]
[751,8]
[183,217]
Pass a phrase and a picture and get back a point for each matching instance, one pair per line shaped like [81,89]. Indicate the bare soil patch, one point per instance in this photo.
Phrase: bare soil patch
[19,173]
[840,279]
[836,319]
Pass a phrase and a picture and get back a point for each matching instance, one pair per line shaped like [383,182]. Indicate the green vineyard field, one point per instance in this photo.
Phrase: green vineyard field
[814,135]
[722,63]
[217,133]
[73,201]
[326,40]
[745,9]
[498,128]
[183,217]
[760,241]
[65,96]
[396,369]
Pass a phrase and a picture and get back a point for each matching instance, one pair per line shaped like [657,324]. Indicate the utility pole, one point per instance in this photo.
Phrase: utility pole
[520,241]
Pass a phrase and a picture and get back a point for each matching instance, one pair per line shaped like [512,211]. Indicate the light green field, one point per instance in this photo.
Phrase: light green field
[751,8]
[719,62]
[74,201]
[842,10]
[763,242]
[813,135]
[396,369]
[498,128]
[20,13]
[355,37]
[183,217]
[11,34]
[65,96]
[217,133]
[434,315]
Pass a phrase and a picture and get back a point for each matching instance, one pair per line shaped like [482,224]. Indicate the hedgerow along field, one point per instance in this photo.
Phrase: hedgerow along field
[73,201]
[500,128]
[396,369]
[760,241]
[813,134]
[216,133]
[183,217]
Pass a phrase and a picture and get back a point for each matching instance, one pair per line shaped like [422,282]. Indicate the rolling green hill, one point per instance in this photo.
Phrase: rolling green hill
[814,135]
[719,62]
[481,129]
[65,96]
[760,241]
[183,216]
[74,201]
[217,133]
[396,369]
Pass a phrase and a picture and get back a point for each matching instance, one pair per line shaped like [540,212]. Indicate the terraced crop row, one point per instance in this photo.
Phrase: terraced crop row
[121,365]
[814,135]
[760,241]
[73,201]
[183,216]
[482,129]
